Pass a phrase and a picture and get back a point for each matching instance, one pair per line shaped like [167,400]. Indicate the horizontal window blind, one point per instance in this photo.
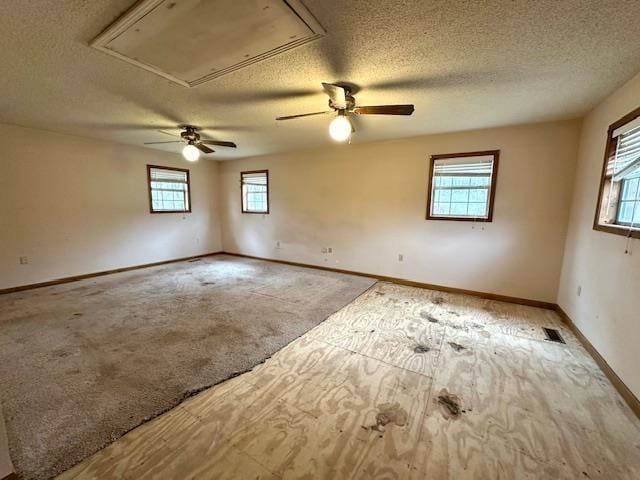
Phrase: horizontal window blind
[463,166]
[254,178]
[162,175]
[624,162]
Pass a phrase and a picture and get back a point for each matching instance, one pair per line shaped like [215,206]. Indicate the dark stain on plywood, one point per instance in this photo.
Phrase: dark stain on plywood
[388,414]
[450,405]
[421,348]
[427,316]
[457,347]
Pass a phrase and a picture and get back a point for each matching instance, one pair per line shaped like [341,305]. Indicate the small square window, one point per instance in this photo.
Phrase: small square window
[255,191]
[169,190]
[462,186]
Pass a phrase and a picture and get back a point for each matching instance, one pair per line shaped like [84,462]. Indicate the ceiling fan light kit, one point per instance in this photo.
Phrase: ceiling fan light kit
[190,153]
[340,128]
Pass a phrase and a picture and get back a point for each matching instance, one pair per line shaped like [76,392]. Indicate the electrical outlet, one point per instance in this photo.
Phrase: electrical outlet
[23,260]
[400,257]
[579,290]
[329,249]
[324,250]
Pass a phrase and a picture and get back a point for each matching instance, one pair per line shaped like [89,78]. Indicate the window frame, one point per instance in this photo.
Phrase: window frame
[610,144]
[242,174]
[492,187]
[175,169]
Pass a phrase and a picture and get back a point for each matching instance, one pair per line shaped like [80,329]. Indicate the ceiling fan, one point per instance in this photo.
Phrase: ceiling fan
[194,144]
[342,101]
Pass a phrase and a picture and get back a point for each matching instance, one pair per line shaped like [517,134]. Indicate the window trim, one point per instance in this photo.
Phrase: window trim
[622,230]
[151,210]
[492,193]
[266,172]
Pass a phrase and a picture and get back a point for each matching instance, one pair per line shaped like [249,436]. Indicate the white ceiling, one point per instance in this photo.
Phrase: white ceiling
[464,64]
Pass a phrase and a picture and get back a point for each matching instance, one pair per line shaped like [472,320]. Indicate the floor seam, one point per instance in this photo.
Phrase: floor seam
[373,358]
[429,396]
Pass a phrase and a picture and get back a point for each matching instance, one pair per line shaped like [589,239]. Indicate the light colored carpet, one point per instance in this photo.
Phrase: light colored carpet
[83,363]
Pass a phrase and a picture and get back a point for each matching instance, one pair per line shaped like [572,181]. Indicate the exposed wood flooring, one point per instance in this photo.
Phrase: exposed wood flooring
[402,383]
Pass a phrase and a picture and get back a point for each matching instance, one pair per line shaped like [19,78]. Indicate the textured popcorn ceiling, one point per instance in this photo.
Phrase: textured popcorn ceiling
[464,64]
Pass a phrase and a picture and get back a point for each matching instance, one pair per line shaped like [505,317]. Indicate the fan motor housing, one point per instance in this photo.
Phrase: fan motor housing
[190,134]
[351,103]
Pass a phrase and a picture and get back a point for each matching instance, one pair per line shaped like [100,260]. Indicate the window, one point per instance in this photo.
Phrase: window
[462,186]
[255,191]
[169,190]
[618,209]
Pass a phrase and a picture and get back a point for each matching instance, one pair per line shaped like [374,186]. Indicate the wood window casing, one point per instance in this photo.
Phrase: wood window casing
[187,193]
[605,183]
[491,193]
[244,201]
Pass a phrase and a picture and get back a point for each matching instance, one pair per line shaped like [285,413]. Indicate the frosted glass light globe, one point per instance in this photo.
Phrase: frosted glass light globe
[191,153]
[340,128]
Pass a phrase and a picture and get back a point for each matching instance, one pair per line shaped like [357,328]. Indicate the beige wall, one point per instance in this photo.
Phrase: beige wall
[608,309]
[75,206]
[368,203]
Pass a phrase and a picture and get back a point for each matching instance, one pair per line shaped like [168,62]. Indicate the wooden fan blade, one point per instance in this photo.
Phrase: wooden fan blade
[385,110]
[337,94]
[170,134]
[203,148]
[303,115]
[219,143]
[155,143]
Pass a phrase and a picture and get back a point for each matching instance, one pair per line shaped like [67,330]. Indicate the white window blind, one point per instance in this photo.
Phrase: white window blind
[460,166]
[169,190]
[625,161]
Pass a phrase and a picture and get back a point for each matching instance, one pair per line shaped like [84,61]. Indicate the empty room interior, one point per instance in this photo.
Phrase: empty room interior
[319,239]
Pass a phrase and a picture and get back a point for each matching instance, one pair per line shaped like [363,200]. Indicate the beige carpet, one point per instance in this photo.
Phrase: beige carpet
[83,363]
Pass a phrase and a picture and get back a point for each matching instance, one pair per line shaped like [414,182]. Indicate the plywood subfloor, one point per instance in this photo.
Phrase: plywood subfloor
[402,383]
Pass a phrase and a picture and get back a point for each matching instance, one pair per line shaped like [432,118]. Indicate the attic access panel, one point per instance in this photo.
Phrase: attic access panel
[193,41]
